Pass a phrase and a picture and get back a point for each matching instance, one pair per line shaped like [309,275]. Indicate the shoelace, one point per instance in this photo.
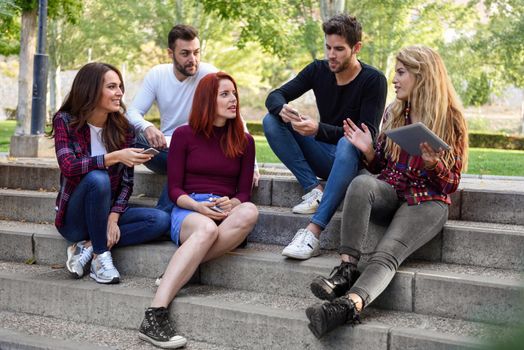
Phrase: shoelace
[166,327]
[85,255]
[297,237]
[106,262]
[309,197]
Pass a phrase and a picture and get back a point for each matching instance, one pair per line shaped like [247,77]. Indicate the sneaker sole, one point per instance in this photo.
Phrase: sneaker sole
[322,290]
[316,320]
[114,280]
[310,211]
[178,342]
[299,256]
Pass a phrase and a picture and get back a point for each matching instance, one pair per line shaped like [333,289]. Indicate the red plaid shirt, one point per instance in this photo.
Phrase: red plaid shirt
[73,152]
[412,181]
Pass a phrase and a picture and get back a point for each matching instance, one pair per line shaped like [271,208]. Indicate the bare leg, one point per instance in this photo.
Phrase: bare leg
[198,234]
[233,230]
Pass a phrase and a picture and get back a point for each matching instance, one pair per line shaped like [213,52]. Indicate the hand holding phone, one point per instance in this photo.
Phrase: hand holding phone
[151,151]
[217,209]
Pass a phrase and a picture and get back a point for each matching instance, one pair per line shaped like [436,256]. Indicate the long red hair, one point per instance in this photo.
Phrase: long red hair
[204,111]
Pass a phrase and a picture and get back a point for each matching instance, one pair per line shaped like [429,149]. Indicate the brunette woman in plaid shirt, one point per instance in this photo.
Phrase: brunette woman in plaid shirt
[93,141]
[412,191]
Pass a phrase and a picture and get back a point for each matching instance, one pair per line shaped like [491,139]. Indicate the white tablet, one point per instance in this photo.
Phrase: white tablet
[410,137]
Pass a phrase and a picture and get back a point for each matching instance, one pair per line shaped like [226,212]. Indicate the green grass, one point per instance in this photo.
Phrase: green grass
[7,128]
[481,160]
[487,161]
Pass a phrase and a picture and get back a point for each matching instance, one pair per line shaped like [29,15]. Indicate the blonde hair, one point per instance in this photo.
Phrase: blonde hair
[435,99]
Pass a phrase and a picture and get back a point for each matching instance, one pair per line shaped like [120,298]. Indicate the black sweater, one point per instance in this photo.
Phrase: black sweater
[362,100]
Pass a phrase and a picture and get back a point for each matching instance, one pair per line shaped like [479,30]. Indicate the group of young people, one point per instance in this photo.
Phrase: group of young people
[209,159]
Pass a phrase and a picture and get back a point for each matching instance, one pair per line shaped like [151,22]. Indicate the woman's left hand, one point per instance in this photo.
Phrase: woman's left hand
[430,155]
[224,203]
[113,231]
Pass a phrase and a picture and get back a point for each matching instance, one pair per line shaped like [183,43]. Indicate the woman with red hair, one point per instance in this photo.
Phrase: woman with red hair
[210,174]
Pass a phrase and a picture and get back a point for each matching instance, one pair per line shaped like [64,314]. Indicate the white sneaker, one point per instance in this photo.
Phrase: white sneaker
[103,270]
[303,246]
[78,258]
[310,202]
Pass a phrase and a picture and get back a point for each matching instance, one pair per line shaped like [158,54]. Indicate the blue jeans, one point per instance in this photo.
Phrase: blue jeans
[88,210]
[158,165]
[308,158]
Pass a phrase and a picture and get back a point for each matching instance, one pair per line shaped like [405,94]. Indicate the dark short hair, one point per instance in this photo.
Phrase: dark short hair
[181,31]
[345,26]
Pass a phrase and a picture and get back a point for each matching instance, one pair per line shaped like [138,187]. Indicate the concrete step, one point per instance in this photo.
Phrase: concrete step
[488,199]
[448,290]
[461,242]
[21,331]
[227,317]
[262,268]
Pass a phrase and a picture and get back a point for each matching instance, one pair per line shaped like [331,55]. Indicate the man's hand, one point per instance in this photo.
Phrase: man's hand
[155,137]
[289,114]
[306,126]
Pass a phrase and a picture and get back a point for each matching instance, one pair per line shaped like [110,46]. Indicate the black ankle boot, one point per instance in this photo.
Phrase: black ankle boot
[337,284]
[329,315]
[158,330]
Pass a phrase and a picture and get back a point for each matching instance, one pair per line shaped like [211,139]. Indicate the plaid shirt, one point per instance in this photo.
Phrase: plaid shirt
[412,181]
[73,152]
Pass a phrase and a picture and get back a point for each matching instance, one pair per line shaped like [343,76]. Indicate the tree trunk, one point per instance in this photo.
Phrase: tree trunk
[25,72]
[329,8]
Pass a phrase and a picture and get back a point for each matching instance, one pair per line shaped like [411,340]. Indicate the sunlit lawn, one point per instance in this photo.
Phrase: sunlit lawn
[481,160]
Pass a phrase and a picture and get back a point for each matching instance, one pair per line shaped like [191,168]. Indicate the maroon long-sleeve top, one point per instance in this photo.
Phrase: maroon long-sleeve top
[196,164]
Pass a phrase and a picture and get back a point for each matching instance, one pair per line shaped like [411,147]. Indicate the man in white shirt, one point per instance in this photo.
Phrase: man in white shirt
[172,86]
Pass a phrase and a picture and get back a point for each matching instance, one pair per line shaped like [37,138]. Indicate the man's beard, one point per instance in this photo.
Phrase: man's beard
[183,70]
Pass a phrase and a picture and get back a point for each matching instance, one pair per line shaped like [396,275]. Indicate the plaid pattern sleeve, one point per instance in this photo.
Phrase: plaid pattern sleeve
[69,148]
[443,179]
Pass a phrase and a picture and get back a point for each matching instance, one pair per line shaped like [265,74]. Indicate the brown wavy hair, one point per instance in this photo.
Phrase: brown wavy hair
[83,99]
[434,97]
[204,111]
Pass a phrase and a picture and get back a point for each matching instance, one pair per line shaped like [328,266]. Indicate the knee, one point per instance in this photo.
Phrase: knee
[98,179]
[248,213]
[270,123]
[161,219]
[346,151]
[360,186]
[207,233]
[384,259]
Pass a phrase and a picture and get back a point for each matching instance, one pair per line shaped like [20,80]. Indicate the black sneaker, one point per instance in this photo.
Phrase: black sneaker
[337,284]
[325,317]
[158,330]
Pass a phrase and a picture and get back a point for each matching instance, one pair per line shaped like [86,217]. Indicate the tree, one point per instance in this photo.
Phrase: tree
[26,12]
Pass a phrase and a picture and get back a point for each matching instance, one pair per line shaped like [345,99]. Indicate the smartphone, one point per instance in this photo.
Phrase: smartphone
[295,112]
[151,150]
[217,209]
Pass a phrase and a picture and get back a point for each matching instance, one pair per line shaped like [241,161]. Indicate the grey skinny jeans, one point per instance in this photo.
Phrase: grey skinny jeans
[411,227]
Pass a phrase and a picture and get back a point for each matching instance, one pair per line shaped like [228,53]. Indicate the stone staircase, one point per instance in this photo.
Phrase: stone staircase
[461,290]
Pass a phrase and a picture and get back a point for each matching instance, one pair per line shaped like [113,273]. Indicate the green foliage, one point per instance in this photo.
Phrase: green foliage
[499,141]
[477,91]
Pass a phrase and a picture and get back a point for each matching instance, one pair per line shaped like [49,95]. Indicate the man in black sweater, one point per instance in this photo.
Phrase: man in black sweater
[344,88]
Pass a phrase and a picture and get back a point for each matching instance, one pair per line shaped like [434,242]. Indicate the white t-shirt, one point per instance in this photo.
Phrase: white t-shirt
[173,97]
[97,146]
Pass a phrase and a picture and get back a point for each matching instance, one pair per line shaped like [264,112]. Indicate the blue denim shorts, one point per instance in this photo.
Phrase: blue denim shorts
[179,214]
